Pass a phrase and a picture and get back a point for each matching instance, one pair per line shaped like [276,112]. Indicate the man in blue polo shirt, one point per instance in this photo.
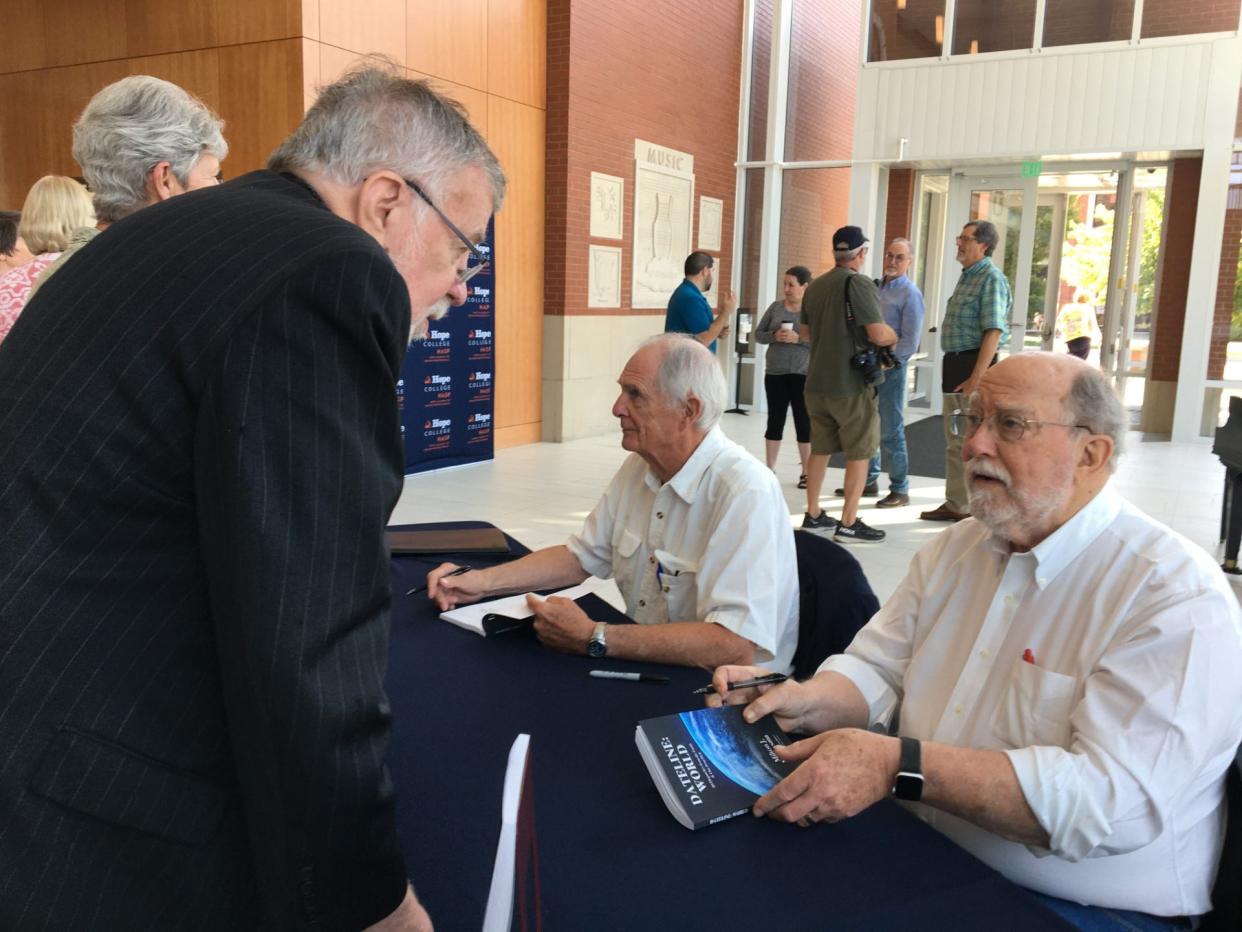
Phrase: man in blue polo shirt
[688,310]
[902,304]
[976,323]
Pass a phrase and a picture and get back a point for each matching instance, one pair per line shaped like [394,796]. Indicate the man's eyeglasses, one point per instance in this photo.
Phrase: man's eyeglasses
[1005,425]
[967,239]
[480,260]
[895,257]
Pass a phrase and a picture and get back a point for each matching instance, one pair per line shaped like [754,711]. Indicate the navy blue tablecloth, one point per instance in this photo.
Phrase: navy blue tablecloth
[610,854]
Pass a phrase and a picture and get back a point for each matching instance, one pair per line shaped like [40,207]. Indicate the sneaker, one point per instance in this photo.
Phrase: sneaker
[822,523]
[893,500]
[858,533]
[868,490]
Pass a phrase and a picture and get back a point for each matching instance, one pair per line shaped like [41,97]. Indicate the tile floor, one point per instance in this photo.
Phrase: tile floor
[540,493]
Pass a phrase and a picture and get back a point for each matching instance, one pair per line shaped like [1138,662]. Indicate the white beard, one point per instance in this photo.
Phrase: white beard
[1022,516]
[418,323]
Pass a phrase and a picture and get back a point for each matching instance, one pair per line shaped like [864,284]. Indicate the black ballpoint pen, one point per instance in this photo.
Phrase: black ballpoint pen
[768,680]
[456,572]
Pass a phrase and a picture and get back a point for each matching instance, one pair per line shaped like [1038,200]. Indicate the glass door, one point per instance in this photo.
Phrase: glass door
[1007,200]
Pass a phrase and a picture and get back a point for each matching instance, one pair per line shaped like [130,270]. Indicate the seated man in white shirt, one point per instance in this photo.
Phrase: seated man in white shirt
[694,528]
[1070,666]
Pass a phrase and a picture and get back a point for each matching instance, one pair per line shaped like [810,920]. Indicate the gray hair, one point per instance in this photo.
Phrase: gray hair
[372,119]
[1093,403]
[688,368]
[130,127]
[985,232]
[845,255]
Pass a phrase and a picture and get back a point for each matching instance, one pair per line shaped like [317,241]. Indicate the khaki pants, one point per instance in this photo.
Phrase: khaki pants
[955,494]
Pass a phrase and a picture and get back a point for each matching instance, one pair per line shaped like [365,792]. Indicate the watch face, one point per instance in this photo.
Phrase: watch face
[909,786]
[596,648]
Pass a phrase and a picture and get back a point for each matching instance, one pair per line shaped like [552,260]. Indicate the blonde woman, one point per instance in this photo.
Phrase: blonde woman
[55,207]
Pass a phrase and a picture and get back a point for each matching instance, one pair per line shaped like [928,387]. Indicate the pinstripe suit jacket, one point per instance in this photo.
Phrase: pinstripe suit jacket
[199,451]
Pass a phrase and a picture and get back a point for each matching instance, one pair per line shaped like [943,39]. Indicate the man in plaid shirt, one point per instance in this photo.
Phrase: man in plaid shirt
[976,323]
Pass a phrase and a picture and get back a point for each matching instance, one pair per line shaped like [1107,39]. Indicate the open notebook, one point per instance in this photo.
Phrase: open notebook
[498,615]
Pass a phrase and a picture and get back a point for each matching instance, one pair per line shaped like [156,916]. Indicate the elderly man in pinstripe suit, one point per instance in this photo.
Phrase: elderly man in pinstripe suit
[201,449]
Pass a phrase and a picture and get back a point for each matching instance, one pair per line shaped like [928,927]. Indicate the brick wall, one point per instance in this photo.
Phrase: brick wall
[556,210]
[1177,242]
[815,204]
[1179,18]
[1225,281]
[666,71]
[899,213]
[823,69]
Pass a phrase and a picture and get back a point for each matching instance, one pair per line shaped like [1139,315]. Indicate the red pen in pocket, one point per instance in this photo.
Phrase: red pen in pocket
[1028,656]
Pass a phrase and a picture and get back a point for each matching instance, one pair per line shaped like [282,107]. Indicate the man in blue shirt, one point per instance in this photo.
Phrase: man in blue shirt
[902,306]
[688,310]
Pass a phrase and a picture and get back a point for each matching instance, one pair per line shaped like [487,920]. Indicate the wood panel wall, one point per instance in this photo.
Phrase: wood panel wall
[258,63]
[55,56]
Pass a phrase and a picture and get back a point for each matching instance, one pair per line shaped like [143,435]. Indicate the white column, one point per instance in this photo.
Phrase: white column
[773,183]
[867,183]
[1218,126]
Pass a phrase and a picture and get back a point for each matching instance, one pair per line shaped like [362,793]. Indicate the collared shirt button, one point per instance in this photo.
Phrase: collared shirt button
[666,588]
[659,514]
[984,652]
[957,709]
[642,603]
[651,559]
[1009,600]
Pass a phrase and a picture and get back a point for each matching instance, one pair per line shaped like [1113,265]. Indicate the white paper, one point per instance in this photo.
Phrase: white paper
[470,617]
[499,914]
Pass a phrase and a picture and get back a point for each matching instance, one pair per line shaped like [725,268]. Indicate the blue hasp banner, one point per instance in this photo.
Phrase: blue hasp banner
[447,387]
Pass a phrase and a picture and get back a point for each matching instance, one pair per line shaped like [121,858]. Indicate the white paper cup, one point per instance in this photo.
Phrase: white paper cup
[787,325]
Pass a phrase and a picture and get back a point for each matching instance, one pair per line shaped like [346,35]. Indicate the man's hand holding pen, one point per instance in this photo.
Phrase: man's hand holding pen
[787,700]
[450,585]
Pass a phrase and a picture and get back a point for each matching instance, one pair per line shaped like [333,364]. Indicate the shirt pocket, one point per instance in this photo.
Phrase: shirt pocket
[1034,707]
[678,584]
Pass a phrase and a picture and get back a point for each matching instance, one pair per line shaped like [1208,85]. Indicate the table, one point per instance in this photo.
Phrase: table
[610,854]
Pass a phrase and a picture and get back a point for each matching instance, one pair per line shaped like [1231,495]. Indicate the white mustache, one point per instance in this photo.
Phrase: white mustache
[988,470]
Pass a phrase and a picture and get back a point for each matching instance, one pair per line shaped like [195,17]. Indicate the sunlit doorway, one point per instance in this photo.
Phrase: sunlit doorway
[1079,245]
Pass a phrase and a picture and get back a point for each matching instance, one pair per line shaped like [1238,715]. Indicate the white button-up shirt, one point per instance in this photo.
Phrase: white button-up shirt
[714,543]
[1107,664]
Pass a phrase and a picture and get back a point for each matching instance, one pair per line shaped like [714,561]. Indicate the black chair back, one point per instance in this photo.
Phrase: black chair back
[835,600]
[1226,914]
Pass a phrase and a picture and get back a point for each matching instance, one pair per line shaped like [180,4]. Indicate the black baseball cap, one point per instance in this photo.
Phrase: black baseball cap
[848,238]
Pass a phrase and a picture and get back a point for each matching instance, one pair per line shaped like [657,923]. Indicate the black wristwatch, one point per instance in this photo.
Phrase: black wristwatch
[909,782]
[598,646]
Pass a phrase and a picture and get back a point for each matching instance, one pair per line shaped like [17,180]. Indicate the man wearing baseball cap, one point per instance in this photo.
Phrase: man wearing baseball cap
[842,406]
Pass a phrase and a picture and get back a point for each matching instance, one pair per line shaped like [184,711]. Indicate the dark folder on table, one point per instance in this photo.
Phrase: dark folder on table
[453,540]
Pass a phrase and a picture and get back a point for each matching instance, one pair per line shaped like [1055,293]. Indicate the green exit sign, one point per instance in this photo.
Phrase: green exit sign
[1032,169]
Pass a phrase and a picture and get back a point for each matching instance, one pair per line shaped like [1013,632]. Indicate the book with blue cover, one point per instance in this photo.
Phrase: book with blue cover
[711,764]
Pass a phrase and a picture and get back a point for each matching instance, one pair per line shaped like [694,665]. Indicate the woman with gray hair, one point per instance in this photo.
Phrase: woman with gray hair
[141,140]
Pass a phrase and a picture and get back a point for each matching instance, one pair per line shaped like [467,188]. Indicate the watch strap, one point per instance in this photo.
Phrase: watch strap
[908,784]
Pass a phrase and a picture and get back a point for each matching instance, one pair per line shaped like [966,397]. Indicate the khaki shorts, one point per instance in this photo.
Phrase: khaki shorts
[849,425]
